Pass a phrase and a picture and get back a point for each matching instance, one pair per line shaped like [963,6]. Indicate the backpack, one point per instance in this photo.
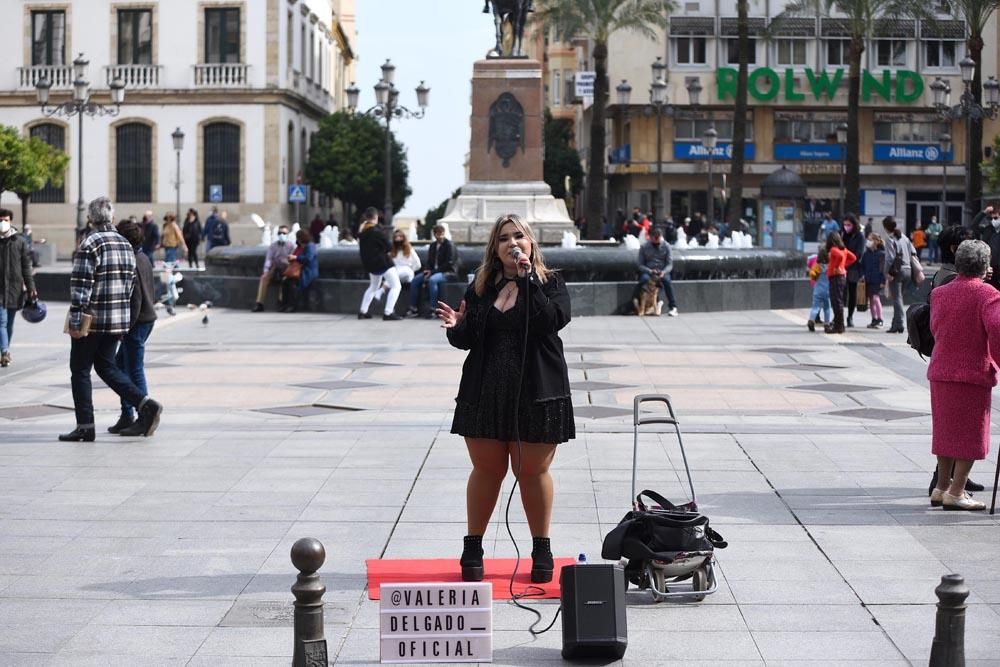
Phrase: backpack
[897,261]
[218,233]
[918,328]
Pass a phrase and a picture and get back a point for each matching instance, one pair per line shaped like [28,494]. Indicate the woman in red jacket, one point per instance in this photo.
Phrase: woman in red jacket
[965,321]
[836,271]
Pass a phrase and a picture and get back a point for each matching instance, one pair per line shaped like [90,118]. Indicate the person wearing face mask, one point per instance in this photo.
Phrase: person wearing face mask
[855,242]
[275,264]
[987,224]
[16,280]
[655,263]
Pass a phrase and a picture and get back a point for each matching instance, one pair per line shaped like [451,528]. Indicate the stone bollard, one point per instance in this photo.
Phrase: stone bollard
[948,649]
[308,555]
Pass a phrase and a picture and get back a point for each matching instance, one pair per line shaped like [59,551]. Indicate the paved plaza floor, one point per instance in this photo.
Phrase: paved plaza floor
[809,452]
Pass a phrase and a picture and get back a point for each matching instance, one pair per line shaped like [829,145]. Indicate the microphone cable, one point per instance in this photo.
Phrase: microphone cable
[531,591]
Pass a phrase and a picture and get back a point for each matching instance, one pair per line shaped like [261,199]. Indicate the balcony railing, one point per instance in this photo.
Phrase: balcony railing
[134,76]
[222,75]
[58,76]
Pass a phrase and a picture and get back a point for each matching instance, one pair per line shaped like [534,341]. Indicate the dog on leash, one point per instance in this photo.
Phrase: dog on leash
[648,302]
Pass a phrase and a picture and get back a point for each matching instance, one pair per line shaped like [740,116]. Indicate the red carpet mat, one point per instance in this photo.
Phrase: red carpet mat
[498,571]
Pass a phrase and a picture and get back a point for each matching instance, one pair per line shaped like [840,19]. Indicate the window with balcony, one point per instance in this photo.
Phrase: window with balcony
[55,136]
[221,143]
[134,163]
[556,88]
[890,53]
[48,38]
[135,36]
[791,52]
[690,50]
[732,48]
[838,52]
[942,53]
[222,35]
[569,84]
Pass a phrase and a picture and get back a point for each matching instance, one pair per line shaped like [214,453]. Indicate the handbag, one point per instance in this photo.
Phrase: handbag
[293,271]
[861,296]
[660,533]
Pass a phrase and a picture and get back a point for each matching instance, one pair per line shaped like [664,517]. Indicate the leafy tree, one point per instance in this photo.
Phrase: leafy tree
[13,153]
[561,159]
[863,20]
[739,114]
[26,165]
[347,161]
[991,168]
[976,14]
[597,20]
[436,213]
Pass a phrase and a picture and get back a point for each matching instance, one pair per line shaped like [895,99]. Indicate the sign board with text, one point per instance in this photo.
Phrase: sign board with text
[585,83]
[693,150]
[436,622]
[878,202]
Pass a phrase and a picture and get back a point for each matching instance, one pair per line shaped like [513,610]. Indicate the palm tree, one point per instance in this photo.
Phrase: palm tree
[976,14]
[597,20]
[863,19]
[739,115]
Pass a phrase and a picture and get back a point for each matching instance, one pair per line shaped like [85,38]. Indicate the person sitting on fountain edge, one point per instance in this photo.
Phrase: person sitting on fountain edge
[655,263]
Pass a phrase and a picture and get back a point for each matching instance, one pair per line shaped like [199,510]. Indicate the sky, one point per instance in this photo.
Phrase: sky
[437,42]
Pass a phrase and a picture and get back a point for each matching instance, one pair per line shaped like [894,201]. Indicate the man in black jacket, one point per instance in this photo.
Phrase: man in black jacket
[440,267]
[132,348]
[16,280]
[986,227]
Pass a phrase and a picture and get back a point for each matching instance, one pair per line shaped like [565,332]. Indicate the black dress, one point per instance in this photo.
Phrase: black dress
[492,415]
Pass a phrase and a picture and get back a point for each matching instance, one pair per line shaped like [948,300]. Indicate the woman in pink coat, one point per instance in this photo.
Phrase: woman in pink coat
[965,321]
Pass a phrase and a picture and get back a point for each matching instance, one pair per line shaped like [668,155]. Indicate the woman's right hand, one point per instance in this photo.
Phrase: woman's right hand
[449,316]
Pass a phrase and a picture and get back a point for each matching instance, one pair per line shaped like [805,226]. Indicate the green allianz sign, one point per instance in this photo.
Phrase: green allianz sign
[765,85]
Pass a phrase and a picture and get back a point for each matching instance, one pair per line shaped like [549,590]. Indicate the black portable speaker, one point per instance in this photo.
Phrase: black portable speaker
[593,611]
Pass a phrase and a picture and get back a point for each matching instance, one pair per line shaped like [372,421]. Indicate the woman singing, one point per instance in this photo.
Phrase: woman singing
[514,398]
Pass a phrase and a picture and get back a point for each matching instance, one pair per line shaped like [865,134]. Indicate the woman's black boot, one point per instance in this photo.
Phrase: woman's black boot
[541,561]
[472,558]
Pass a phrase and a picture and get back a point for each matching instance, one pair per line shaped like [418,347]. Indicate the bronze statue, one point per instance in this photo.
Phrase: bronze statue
[509,16]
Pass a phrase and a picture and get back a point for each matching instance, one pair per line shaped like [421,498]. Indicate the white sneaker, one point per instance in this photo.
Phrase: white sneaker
[672,312]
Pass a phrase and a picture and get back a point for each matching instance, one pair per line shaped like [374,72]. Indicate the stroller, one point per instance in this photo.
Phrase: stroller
[664,544]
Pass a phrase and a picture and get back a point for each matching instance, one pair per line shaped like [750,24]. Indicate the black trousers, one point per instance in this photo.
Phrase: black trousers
[192,254]
[852,298]
[97,351]
[837,284]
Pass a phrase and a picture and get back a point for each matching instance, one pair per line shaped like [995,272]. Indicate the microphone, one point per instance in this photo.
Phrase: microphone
[516,253]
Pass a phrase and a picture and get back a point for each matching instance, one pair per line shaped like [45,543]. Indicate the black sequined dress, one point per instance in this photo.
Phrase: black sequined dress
[550,421]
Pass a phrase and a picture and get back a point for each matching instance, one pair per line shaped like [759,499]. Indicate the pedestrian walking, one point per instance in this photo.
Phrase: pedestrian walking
[192,237]
[206,233]
[898,253]
[513,406]
[101,285]
[836,271]
[933,233]
[150,236]
[131,355]
[854,241]
[873,270]
[374,248]
[17,284]
[965,322]
[828,226]
[219,236]
[918,237]
[821,289]
[172,240]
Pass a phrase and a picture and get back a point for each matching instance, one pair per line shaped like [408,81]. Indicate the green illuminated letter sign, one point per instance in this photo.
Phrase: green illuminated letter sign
[765,84]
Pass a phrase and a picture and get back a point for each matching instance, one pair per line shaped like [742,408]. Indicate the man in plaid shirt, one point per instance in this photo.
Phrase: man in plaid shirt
[101,285]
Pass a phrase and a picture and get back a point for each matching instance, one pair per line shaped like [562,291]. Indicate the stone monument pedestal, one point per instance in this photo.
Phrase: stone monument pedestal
[505,156]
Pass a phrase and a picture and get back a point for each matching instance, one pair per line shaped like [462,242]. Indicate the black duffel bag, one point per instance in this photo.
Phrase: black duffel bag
[660,533]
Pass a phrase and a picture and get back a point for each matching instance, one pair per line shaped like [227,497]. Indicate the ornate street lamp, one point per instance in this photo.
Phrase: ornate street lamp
[80,105]
[178,138]
[970,110]
[387,107]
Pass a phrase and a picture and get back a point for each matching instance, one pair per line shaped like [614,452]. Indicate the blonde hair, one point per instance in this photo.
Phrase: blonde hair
[491,265]
[877,240]
[407,247]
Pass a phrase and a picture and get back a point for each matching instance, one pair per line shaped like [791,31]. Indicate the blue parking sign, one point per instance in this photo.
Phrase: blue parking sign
[298,193]
[215,194]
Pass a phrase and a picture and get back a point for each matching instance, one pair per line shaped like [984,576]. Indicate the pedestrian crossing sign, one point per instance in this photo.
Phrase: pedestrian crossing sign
[298,194]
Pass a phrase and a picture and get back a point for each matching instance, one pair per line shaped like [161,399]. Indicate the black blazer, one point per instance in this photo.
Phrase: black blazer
[545,364]
[374,247]
[445,263]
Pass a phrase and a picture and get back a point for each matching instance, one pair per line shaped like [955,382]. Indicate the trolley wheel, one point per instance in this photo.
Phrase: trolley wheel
[699,582]
[660,583]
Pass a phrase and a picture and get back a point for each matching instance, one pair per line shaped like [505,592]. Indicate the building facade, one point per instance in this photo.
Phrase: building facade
[246,81]
[798,97]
